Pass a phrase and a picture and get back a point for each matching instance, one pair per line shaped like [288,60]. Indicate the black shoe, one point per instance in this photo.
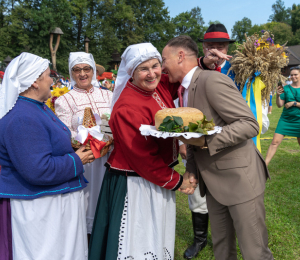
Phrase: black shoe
[200,226]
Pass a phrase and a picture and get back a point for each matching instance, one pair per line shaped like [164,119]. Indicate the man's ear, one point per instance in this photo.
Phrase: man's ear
[181,56]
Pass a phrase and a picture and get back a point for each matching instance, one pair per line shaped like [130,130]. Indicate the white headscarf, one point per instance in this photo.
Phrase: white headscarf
[133,56]
[19,75]
[82,58]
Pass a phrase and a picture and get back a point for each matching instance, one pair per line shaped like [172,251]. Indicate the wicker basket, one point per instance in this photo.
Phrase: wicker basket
[89,121]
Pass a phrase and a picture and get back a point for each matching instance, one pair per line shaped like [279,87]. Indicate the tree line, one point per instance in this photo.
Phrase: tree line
[112,25]
[284,24]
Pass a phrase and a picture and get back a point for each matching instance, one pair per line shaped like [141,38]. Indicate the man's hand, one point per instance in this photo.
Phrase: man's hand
[193,141]
[182,151]
[189,183]
[289,104]
[214,56]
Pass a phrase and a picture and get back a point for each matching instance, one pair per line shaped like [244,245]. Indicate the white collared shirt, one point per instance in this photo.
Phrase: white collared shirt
[186,83]
[223,64]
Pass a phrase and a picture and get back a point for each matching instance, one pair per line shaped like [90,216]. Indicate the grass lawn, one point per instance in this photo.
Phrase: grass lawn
[282,202]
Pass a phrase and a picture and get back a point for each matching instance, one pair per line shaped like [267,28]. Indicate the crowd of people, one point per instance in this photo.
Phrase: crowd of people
[61,204]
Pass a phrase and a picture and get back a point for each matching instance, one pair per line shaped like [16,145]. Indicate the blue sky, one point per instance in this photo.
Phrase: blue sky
[227,12]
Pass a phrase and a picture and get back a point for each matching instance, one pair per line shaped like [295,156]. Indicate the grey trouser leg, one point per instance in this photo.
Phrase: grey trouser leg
[247,220]
[197,204]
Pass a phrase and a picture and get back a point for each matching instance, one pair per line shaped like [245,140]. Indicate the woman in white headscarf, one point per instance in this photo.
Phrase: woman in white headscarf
[70,107]
[41,174]
[135,216]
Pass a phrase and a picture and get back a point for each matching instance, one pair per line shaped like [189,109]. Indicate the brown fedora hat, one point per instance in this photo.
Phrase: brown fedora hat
[100,69]
[216,33]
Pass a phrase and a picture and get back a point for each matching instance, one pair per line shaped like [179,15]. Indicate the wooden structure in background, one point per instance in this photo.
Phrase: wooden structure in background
[57,31]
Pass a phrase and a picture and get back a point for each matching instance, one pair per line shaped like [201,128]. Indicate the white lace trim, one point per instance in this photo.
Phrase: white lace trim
[147,130]
[122,228]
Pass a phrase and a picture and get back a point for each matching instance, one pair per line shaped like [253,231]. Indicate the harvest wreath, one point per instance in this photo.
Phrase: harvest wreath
[259,57]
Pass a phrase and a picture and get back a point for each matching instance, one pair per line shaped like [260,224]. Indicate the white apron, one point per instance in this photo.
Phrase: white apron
[49,228]
[148,222]
[94,173]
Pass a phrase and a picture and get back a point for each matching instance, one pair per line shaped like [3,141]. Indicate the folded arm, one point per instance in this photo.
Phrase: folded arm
[228,102]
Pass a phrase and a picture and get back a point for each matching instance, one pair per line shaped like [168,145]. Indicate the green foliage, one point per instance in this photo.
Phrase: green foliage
[232,48]
[240,28]
[280,13]
[202,126]
[172,124]
[153,21]
[175,124]
[256,29]
[112,25]
[287,23]
[284,24]
[295,17]
[282,32]
[213,22]
[296,38]
[190,23]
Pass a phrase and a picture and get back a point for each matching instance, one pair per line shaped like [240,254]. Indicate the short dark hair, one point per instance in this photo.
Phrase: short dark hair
[295,68]
[186,42]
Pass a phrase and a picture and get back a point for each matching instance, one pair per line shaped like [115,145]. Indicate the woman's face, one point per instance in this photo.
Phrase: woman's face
[44,83]
[295,76]
[147,75]
[83,74]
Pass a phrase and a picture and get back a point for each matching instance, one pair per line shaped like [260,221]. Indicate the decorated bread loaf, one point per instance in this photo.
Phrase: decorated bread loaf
[188,115]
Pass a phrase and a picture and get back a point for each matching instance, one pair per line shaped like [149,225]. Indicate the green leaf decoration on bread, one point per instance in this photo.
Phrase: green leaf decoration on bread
[175,124]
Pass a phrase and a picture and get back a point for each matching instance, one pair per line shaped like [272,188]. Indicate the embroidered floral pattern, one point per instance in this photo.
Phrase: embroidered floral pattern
[71,105]
[158,100]
[151,256]
[167,254]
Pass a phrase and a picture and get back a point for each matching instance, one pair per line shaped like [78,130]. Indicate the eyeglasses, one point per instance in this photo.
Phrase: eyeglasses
[85,70]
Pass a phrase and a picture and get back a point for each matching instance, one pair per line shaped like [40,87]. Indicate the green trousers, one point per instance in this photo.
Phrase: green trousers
[105,235]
